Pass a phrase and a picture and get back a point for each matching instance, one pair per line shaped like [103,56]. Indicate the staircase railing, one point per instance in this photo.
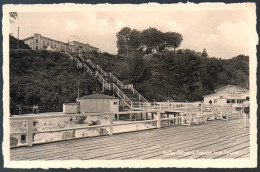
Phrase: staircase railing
[104,83]
[107,85]
[100,78]
[127,101]
[91,64]
[88,69]
[101,70]
[138,94]
[116,80]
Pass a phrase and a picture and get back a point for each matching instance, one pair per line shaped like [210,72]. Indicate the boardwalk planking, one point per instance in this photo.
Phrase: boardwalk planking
[150,144]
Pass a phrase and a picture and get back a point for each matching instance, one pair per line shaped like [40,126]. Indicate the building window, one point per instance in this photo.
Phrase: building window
[215,100]
[48,44]
[228,101]
[36,41]
[115,103]
[239,100]
[233,100]
[221,97]
[51,44]
[36,47]
[54,45]
[43,42]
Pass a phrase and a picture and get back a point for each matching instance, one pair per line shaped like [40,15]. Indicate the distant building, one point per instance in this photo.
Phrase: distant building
[227,95]
[39,42]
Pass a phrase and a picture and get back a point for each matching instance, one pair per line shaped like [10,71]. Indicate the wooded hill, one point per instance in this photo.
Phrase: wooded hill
[183,75]
[49,79]
[44,78]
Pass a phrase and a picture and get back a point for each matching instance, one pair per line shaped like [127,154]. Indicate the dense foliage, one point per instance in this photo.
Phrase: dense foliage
[147,41]
[184,75]
[13,43]
[47,79]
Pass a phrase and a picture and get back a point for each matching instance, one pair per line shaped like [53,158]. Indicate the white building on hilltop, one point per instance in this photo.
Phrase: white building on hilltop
[228,95]
[39,42]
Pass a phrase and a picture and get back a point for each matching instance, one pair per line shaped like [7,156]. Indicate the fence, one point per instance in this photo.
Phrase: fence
[138,120]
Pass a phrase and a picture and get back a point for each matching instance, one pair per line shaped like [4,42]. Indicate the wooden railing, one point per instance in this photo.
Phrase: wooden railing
[115,88]
[30,132]
[163,105]
[138,94]
[91,64]
[158,118]
[116,80]
[122,96]
[101,70]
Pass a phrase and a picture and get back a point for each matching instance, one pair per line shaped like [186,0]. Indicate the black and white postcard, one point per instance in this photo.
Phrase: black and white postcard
[148,85]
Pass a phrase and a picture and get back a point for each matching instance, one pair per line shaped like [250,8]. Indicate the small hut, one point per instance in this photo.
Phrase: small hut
[98,103]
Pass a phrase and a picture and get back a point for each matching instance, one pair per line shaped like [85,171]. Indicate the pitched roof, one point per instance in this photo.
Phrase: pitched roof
[215,91]
[229,86]
[97,96]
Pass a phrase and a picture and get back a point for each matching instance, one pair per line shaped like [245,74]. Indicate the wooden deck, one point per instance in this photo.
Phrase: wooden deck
[213,140]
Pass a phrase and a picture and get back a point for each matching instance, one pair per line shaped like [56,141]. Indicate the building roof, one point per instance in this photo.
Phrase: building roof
[59,41]
[229,86]
[221,88]
[97,96]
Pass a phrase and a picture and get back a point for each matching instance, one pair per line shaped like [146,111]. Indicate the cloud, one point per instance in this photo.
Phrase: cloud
[70,25]
[230,39]
[174,26]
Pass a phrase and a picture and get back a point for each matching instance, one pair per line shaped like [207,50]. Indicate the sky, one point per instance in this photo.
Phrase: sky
[224,33]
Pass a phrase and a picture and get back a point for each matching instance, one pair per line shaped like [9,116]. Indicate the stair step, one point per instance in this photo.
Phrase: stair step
[128,93]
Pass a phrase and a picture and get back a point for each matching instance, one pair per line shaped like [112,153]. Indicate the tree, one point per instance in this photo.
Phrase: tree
[137,70]
[204,53]
[151,39]
[173,39]
[13,43]
[134,40]
[13,16]
[123,37]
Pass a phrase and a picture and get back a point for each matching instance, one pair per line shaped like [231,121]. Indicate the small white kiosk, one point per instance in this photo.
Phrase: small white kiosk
[228,95]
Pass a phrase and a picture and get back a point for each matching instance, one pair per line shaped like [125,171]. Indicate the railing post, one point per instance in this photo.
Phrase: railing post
[130,117]
[159,119]
[111,124]
[29,131]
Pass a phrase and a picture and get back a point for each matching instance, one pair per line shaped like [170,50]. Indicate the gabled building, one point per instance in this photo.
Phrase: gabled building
[98,103]
[39,42]
[227,95]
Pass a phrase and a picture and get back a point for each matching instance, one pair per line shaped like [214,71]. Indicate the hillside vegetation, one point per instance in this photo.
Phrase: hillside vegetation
[49,79]
[183,75]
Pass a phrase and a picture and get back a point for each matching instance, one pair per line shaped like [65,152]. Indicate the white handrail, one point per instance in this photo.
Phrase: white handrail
[185,113]
[122,96]
[104,83]
[138,94]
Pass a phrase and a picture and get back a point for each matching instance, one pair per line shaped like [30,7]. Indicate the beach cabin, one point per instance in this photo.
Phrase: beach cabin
[98,103]
[228,95]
